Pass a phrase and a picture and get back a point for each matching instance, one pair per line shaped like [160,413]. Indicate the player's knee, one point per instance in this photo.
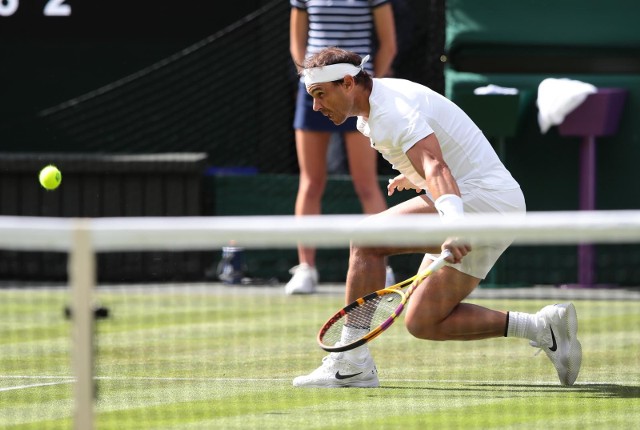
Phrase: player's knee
[421,329]
[364,252]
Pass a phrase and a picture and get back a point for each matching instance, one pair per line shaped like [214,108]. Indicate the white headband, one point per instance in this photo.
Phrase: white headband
[332,72]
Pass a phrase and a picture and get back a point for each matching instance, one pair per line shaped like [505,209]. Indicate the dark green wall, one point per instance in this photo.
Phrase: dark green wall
[520,44]
[244,195]
[548,39]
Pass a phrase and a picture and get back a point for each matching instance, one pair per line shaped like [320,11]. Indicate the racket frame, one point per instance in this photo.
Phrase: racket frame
[414,281]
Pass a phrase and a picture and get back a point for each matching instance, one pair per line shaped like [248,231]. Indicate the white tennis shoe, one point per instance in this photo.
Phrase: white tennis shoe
[303,281]
[337,371]
[559,340]
[390,278]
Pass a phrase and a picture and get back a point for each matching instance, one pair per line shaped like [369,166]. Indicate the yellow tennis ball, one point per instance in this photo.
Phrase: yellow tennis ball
[50,177]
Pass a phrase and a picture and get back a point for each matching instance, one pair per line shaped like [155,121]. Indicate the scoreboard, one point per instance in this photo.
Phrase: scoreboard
[49,8]
[54,50]
[170,18]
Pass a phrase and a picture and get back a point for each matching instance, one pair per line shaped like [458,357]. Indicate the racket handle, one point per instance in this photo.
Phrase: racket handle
[440,261]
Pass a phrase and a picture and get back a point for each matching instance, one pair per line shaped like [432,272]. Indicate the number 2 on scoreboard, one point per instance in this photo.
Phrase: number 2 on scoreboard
[51,8]
[57,8]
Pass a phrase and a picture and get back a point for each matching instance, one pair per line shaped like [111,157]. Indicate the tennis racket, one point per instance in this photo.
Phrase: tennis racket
[372,314]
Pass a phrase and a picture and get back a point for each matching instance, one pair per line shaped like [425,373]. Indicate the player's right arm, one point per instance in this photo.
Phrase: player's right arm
[401,183]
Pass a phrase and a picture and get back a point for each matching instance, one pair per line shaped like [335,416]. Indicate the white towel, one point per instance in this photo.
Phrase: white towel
[495,89]
[559,97]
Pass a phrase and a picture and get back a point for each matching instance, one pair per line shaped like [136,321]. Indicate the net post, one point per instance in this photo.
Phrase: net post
[82,279]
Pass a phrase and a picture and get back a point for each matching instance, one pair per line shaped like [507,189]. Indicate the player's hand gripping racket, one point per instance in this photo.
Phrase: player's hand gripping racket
[373,313]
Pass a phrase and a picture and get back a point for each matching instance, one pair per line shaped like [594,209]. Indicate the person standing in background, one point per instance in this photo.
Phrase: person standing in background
[368,28]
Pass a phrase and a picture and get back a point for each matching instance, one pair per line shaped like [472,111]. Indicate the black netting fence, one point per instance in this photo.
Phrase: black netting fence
[229,95]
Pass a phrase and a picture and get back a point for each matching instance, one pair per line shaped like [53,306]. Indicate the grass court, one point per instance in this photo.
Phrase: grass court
[221,357]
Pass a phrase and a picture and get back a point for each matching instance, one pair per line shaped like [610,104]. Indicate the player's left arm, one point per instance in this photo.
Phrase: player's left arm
[426,157]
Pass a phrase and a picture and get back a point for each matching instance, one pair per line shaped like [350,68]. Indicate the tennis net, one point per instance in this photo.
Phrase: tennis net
[206,355]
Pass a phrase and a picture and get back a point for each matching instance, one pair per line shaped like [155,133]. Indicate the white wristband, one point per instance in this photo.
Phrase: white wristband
[449,207]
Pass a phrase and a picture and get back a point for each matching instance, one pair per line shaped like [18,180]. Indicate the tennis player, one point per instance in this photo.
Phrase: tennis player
[438,149]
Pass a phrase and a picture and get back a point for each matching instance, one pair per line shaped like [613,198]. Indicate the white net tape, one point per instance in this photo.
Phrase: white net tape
[175,233]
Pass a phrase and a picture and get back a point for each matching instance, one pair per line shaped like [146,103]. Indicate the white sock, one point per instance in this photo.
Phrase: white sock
[358,354]
[524,325]
[350,334]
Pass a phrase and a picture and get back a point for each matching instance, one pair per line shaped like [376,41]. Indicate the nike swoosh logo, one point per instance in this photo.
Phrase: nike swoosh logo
[554,346]
[339,376]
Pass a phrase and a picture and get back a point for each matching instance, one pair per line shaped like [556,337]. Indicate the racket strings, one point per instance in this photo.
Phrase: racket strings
[363,318]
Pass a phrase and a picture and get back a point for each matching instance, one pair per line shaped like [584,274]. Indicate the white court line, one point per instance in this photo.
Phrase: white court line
[34,377]
[42,384]
[242,380]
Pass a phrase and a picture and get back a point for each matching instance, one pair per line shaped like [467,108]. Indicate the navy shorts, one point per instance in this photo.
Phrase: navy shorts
[306,118]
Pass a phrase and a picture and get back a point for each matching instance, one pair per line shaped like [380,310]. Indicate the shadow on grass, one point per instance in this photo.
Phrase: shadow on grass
[593,390]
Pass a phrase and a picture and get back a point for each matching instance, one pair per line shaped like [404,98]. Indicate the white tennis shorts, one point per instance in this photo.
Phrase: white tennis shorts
[482,258]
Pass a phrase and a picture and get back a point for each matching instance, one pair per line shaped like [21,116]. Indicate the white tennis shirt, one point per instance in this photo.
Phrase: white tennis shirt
[404,112]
